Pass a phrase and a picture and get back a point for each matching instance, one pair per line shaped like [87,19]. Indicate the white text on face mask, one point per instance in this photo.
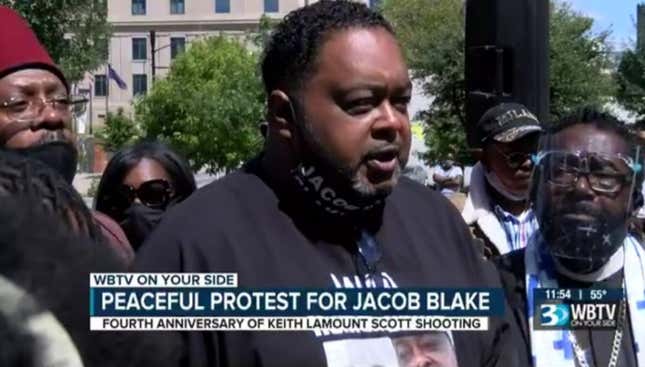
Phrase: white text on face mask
[308,180]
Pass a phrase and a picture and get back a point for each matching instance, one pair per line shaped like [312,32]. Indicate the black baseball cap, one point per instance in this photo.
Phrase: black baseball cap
[506,122]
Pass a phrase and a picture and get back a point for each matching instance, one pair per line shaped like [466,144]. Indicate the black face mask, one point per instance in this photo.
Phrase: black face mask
[139,221]
[582,247]
[332,198]
[60,156]
[325,186]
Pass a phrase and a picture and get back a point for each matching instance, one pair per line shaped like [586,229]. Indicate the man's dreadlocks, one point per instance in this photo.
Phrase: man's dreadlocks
[20,176]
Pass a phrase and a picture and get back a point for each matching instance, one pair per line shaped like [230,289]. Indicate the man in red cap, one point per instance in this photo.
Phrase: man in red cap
[35,109]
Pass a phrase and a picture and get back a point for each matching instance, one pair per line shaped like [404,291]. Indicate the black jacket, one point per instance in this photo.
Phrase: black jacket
[239,224]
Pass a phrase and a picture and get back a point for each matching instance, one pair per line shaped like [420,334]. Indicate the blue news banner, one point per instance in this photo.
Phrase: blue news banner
[213,301]
[569,308]
[244,302]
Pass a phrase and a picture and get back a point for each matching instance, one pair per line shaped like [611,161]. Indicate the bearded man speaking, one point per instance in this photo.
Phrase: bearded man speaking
[324,205]
[587,171]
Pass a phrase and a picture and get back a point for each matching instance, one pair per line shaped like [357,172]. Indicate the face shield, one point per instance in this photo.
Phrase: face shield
[582,192]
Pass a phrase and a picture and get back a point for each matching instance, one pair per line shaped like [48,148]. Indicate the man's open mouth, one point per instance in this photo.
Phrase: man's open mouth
[385,160]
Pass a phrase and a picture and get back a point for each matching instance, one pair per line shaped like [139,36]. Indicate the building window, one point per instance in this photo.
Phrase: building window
[139,84]
[375,3]
[139,51]
[177,46]
[176,6]
[100,86]
[138,7]
[271,6]
[222,6]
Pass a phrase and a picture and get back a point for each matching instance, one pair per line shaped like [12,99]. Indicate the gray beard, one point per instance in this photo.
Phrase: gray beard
[345,175]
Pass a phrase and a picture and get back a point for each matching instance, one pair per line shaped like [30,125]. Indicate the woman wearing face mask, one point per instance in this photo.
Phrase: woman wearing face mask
[139,184]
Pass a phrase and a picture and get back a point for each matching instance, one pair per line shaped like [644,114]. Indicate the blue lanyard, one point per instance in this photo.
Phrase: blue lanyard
[368,257]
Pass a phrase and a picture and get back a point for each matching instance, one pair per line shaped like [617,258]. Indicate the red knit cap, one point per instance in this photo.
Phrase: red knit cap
[19,47]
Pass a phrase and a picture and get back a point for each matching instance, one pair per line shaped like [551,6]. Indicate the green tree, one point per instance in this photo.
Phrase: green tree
[74,32]
[433,39]
[119,130]
[580,68]
[631,81]
[432,33]
[209,105]
[261,36]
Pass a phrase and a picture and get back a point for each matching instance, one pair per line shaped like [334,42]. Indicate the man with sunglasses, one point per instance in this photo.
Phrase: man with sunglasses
[497,208]
[35,110]
[587,170]
[324,205]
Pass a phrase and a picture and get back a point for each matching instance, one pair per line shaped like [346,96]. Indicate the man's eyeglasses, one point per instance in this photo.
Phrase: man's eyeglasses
[606,173]
[153,194]
[23,109]
[514,160]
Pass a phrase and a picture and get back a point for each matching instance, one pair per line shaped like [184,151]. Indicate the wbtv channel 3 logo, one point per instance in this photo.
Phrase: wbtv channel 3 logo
[577,315]
[554,315]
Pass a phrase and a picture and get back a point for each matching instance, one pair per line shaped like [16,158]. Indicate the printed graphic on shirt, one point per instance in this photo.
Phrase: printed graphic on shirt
[360,352]
[427,349]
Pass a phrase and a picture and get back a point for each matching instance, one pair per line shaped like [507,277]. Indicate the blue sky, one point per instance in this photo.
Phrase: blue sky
[619,16]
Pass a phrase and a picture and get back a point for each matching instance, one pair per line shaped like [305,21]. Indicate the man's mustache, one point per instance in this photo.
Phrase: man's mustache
[581,208]
[52,136]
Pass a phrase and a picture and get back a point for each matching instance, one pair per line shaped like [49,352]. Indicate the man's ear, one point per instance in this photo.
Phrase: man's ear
[280,114]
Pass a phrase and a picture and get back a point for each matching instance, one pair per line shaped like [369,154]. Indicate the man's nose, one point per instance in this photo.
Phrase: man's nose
[50,118]
[582,187]
[527,165]
[389,124]
[421,361]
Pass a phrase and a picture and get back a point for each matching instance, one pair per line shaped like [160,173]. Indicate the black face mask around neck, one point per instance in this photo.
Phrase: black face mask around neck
[60,156]
[318,189]
[324,186]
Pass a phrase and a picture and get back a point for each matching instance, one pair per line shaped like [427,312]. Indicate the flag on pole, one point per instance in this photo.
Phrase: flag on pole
[113,75]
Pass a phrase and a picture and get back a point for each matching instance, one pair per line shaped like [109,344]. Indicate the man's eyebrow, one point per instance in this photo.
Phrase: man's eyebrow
[363,84]
[372,85]
[29,86]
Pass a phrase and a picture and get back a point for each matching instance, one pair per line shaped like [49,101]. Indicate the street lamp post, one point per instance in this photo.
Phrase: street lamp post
[153,37]
[153,61]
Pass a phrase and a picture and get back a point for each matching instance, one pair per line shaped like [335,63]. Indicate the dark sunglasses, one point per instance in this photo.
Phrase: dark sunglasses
[514,160]
[153,193]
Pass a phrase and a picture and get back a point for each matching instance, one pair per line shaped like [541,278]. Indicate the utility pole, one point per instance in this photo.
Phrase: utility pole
[152,53]
[506,60]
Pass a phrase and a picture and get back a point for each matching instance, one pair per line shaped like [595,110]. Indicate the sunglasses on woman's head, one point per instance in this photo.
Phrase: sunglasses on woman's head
[153,193]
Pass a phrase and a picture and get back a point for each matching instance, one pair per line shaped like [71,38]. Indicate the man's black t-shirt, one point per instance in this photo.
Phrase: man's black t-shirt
[239,224]
[596,343]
